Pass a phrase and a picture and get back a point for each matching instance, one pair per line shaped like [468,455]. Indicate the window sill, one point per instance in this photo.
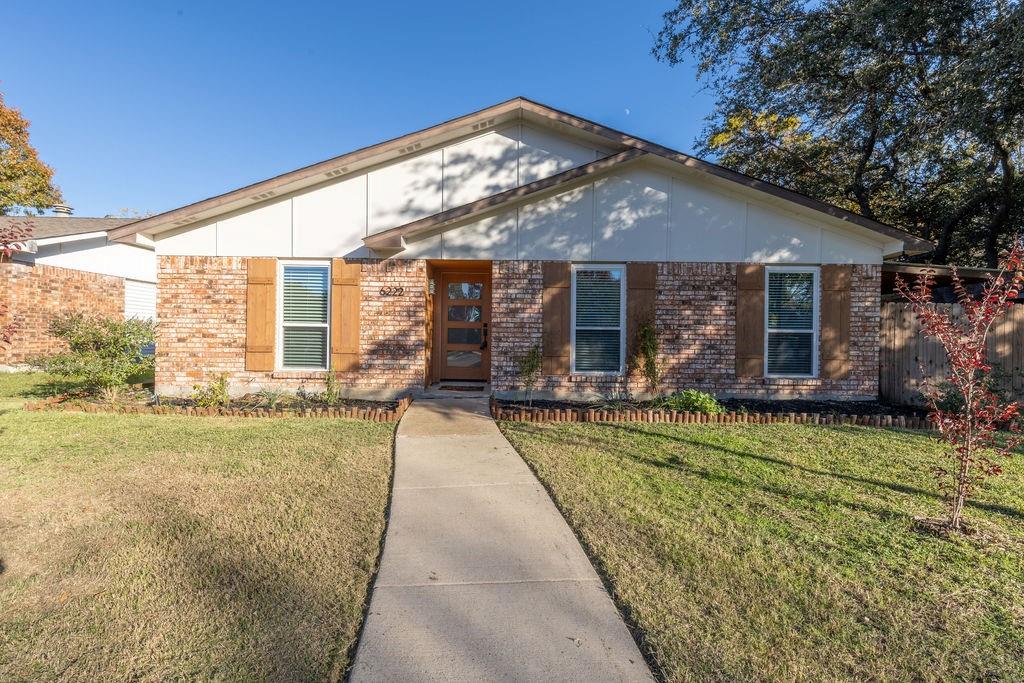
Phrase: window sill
[298,374]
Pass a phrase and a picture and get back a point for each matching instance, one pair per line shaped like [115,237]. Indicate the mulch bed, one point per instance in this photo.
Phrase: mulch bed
[562,411]
[375,411]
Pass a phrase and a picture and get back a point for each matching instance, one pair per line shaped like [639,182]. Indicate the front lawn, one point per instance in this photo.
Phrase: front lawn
[173,548]
[787,551]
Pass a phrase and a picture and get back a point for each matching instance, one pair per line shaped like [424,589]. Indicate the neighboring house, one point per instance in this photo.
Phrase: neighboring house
[448,253]
[71,266]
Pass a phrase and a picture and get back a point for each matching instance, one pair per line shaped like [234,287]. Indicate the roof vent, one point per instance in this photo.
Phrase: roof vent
[61,209]
[264,195]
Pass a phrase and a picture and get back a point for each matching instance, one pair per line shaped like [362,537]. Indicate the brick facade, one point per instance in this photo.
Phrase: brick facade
[201,307]
[36,294]
[695,321]
[201,303]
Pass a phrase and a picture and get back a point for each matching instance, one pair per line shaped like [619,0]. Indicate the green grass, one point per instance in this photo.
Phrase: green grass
[18,387]
[789,552]
[171,548]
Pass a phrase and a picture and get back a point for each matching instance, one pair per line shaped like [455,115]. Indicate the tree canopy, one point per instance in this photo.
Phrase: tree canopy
[26,183]
[910,113]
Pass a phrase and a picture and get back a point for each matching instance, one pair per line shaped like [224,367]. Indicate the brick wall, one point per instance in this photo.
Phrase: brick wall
[36,294]
[201,308]
[696,322]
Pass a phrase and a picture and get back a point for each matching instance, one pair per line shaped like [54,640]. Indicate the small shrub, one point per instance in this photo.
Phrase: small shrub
[213,395]
[271,398]
[529,371]
[105,353]
[951,399]
[614,400]
[332,394]
[646,357]
[693,401]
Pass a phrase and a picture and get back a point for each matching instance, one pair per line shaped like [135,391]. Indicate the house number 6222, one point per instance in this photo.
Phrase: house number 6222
[392,291]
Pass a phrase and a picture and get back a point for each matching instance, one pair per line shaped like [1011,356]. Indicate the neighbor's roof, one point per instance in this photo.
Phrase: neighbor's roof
[63,226]
[518,108]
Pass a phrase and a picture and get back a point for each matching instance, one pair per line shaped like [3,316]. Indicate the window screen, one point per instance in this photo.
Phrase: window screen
[791,322]
[304,315]
[597,319]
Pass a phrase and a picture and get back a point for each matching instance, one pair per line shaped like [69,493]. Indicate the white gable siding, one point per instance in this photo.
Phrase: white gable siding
[405,191]
[705,225]
[331,220]
[263,231]
[97,255]
[641,213]
[558,228]
[543,153]
[481,166]
[632,220]
[492,238]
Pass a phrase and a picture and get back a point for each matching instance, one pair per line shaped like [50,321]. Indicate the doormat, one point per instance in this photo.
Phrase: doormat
[461,387]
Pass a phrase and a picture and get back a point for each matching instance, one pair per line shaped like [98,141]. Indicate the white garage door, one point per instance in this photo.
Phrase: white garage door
[139,300]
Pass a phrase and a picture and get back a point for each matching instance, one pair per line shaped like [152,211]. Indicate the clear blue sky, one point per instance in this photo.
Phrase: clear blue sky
[150,105]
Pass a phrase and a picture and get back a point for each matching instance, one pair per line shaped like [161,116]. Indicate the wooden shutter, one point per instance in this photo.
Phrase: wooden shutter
[749,320]
[555,340]
[834,332]
[260,316]
[641,280]
[345,306]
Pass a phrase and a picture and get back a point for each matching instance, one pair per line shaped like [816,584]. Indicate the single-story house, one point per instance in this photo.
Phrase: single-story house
[447,254]
[71,266]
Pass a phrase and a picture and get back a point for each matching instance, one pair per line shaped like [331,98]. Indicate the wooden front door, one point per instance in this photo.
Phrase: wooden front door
[464,318]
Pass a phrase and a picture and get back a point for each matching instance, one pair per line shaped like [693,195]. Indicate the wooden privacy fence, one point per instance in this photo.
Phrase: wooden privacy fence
[907,356]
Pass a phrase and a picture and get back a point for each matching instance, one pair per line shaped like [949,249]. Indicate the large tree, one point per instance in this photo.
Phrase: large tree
[26,183]
[911,113]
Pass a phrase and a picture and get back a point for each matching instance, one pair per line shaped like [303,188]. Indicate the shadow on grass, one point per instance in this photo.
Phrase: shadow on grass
[892,486]
[239,582]
[673,462]
[53,387]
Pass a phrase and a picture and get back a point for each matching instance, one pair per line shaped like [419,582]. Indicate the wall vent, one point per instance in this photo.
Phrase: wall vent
[262,196]
[410,148]
[337,172]
[483,124]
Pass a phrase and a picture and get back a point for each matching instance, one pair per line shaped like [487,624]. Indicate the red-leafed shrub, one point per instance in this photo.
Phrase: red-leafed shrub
[971,428]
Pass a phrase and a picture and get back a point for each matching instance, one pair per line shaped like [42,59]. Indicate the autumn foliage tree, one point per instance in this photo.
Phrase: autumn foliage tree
[26,183]
[971,430]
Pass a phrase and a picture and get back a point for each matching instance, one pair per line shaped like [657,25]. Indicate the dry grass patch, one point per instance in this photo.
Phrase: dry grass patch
[154,548]
[787,552]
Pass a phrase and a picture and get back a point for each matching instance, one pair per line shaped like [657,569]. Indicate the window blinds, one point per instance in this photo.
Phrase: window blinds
[791,324]
[598,320]
[304,316]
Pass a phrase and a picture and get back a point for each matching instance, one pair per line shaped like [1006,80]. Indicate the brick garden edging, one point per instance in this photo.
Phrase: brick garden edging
[351,412]
[524,414]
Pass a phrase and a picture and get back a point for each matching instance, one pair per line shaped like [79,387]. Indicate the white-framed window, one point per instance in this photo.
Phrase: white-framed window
[303,315]
[791,321]
[598,326]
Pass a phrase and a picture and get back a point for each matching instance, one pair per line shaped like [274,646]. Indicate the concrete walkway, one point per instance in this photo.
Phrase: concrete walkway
[481,578]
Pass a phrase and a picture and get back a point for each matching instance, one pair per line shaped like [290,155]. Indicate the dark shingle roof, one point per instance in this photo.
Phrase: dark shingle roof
[62,226]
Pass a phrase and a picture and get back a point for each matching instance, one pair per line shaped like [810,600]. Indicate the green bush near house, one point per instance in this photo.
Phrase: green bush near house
[105,354]
[691,400]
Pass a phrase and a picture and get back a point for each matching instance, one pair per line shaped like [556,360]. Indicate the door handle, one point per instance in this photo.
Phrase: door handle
[483,344]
